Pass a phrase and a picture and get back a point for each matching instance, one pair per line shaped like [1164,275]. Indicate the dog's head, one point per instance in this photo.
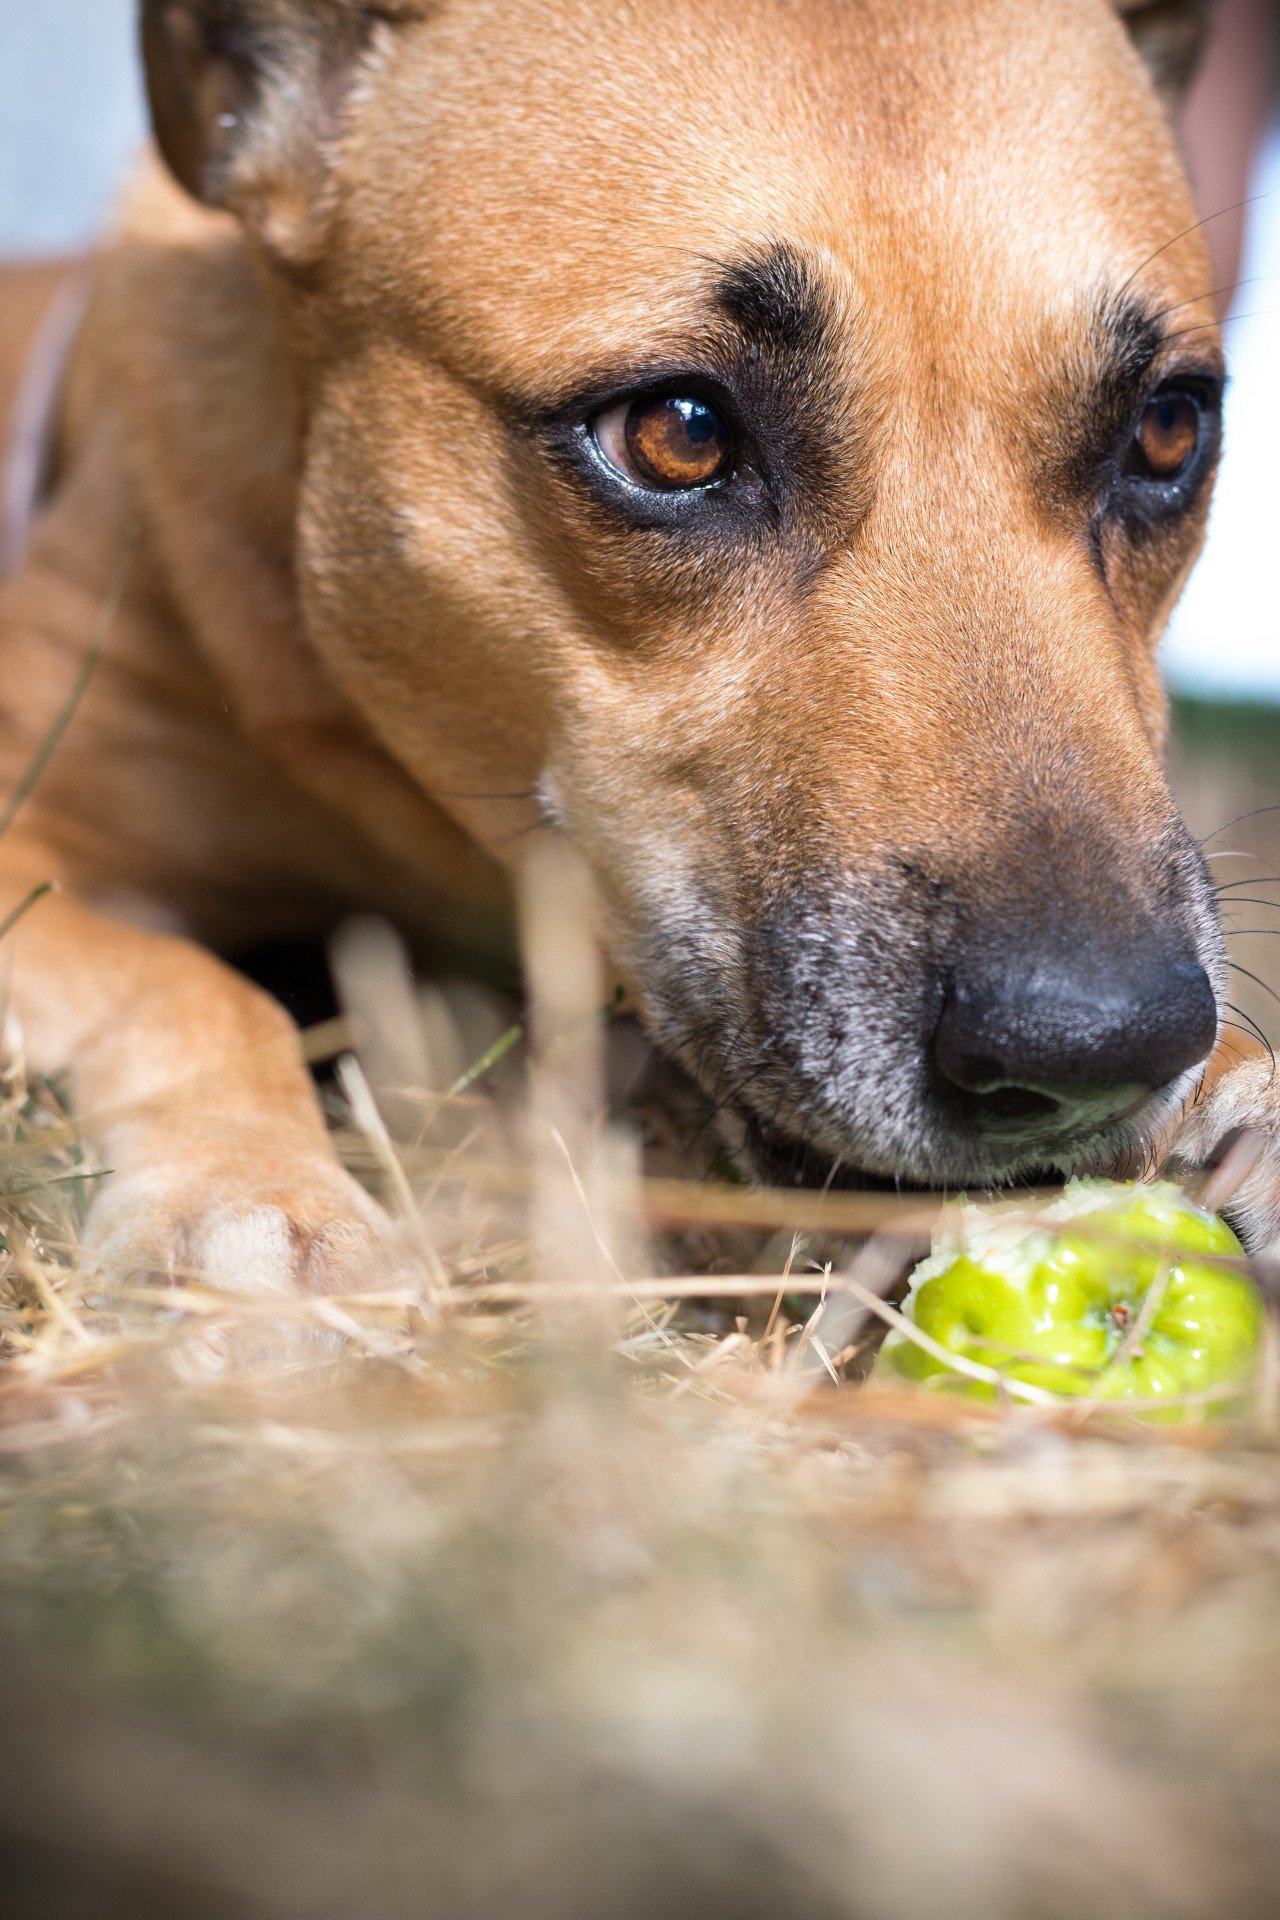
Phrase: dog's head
[774,436]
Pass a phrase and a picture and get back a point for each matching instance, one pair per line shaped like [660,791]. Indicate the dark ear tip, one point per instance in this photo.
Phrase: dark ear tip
[199,58]
[244,93]
[1170,35]
[170,37]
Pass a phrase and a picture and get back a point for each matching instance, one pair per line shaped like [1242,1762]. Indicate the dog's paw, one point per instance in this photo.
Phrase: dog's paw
[1236,1127]
[295,1229]
[272,1247]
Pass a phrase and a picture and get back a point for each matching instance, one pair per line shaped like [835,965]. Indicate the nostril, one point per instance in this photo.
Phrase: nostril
[961,1050]
[978,1073]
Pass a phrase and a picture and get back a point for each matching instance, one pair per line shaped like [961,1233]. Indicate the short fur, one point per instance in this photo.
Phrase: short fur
[893,691]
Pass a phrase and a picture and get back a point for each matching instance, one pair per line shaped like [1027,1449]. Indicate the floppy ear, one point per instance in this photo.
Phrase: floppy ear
[1170,36]
[246,101]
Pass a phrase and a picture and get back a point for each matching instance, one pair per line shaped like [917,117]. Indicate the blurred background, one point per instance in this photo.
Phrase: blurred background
[72,113]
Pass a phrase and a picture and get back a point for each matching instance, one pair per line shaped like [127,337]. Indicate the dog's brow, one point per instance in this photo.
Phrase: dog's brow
[1127,338]
[776,299]
[785,332]
[1093,390]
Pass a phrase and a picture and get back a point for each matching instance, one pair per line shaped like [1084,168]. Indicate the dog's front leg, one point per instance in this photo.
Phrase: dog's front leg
[1239,1113]
[191,1083]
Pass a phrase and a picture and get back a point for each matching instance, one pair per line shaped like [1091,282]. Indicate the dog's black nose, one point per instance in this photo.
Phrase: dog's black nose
[1073,1040]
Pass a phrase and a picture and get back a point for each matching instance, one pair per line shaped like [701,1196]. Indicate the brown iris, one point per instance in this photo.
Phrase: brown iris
[676,442]
[1168,435]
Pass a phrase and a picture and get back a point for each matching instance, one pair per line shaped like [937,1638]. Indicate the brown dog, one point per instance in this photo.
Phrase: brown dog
[769,439]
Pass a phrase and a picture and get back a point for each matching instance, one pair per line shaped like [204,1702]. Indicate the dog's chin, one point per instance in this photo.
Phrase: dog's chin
[776,1158]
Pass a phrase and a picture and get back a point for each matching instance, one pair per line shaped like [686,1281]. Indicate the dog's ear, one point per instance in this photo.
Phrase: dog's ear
[1170,36]
[246,101]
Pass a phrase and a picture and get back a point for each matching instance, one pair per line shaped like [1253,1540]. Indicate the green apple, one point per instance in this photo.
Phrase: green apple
[1056,1300]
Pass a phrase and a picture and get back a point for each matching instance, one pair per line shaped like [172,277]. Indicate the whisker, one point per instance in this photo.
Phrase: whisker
[707,1033]
[1237,1053]
[1212,294]
[835,1167]
[445,793]
[704,1126]
[1235,207]
[522,833]
[1212,326]
[1250,1026]
[720,1106]
[388,552]
[1253,814]
[1257,980]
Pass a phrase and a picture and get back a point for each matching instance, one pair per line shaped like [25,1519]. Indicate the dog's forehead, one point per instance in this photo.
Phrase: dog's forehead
[531,168]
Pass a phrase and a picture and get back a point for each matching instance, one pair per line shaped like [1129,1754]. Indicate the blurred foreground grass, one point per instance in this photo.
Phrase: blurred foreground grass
[572,1580]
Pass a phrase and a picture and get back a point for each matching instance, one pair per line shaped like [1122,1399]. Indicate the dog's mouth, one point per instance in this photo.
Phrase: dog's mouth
[1006,1138]
[778,1159]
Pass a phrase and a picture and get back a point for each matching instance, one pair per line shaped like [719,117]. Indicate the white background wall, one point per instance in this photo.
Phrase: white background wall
[1225,636]
[71,111]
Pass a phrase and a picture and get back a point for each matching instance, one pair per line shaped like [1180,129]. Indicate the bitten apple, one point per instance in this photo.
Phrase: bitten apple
[1104,1292]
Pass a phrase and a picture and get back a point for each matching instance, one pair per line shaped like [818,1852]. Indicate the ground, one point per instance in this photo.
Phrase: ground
[536,1583]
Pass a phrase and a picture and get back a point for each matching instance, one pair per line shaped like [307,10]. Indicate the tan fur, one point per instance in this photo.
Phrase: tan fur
[357,593]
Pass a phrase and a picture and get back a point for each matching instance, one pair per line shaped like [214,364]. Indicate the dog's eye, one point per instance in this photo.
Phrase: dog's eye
[670,443]
[1168,436]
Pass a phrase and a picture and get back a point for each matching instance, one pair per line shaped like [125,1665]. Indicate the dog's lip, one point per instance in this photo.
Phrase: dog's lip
[1071,1117]
[780,1159]
[1017,1159]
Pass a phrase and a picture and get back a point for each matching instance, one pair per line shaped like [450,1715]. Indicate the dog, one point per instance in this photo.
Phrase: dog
[762,444]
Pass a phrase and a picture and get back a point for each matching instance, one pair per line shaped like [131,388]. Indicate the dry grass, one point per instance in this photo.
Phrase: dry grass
[578,1574]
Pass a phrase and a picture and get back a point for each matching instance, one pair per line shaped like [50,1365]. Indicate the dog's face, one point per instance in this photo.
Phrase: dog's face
[773,436]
